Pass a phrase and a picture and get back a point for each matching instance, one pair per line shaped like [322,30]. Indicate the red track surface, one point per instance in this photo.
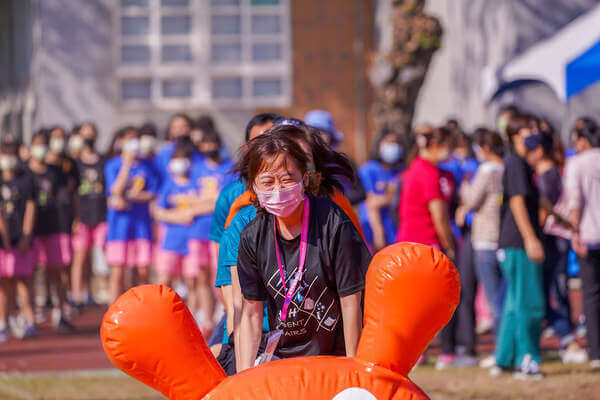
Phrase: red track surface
[82,349]
[58,352]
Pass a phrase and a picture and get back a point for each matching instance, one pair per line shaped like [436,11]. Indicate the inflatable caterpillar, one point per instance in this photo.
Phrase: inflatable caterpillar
[411,292]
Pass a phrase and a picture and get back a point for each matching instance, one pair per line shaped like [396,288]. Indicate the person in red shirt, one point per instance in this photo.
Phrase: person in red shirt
[423,211]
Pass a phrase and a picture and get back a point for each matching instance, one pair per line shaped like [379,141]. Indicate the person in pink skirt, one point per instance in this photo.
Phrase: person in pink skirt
[89,228]
[17,257]
[131,184]
[53,248]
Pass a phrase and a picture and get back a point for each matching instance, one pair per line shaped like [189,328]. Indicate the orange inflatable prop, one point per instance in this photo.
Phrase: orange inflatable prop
[411,292]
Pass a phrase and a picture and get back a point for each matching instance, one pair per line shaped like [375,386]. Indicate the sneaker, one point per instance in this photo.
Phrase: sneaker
[4,335]
[573,356]
[595,364]
[444,361]
[529,370]
[488,362]
[30,332]
[484,326]
[548,332]
[464,361]
[17,326]
[64,326]
[40,316]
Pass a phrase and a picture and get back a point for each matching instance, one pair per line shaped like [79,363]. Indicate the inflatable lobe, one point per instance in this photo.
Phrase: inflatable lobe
[150,334]
[411,292]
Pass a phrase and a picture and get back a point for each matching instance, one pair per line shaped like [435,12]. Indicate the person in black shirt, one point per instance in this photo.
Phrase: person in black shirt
[301,248]
[521,255]
[17,258]
[89,228]
[53,251]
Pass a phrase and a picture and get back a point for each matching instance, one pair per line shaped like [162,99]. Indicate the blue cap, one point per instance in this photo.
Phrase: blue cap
[322,120]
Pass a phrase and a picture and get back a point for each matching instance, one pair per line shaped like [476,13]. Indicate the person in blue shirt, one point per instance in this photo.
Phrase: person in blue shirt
[175,208]
[210,176]
[130,186]
[179,126]
[380,177]
[255,127]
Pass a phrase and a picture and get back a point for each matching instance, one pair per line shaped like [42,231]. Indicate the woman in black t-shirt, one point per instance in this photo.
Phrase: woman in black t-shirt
[306,242]
[89,228]
[52,250]
[17,257]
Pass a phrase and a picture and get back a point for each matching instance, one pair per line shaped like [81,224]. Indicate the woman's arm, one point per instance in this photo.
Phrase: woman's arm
[473,194]
[249,333]
[441,222]
[533,246]
[352,319]
[28,224]
[237,303]
[373,205]
[173,216]
[120,183]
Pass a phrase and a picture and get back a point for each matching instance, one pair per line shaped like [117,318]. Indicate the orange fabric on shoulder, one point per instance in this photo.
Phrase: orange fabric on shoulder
[247,198]
[343,202]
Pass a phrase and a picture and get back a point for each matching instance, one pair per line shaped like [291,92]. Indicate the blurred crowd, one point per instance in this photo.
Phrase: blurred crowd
[517,212]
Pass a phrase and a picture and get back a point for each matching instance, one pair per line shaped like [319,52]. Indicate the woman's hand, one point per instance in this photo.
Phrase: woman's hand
[534,249]
[579,245]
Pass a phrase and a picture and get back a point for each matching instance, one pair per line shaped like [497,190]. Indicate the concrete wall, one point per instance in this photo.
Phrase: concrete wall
[489,33]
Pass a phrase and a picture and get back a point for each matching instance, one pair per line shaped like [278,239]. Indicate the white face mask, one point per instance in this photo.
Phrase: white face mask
[57,144]
[38,151]
[390,152]
[132,146]
[281,203]
[75,143]
[147,145]
[8,163]
[179,166]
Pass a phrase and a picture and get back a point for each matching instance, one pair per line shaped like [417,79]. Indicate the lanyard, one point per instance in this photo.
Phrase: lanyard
[303,243]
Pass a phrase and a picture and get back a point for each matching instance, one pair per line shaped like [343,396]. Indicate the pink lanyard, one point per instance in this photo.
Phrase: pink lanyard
[289,294]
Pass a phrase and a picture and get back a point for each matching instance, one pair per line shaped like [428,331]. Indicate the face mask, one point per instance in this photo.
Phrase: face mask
[502,124]
[310,167]
[8,163]
[90,142]
[179,166]
[38,151]
[281,203]
[147,145]
[132,146]
[390,152]
[533,141]
[75,143]
[57,144]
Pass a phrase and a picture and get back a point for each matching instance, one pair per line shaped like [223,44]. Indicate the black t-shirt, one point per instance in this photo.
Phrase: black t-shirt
[517,180]
[550,184]
[45,189]
[69,181]
[90,193]
[14,195]
[336,263]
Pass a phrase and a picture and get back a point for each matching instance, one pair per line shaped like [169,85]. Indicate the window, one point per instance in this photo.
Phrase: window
[199,52]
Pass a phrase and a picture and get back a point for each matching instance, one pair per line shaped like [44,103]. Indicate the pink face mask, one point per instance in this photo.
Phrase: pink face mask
[281,203]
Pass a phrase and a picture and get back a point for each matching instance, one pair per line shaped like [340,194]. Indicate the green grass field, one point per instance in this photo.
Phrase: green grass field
[561,383]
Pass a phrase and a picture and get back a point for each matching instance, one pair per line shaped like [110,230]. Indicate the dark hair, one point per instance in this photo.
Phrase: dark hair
[428,137]
[148,129]
[183,147]
[509,108]
[260,119]
[43,133]
[173,118]
[211,136]
[493,141]
[330,166]
[10,144]
[270,144]
[76,128]
[589,131]
[205,123]
[515,125]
